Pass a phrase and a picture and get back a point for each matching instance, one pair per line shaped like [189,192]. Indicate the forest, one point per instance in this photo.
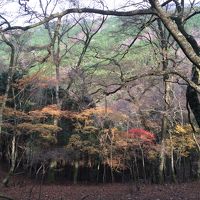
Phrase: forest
[99,98]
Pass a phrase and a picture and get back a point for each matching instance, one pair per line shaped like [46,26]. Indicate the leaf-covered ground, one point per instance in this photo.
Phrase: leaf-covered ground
[23,190]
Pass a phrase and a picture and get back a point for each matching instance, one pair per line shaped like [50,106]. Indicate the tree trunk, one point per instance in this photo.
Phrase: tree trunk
[137,185]
[104,173]
[13,162]
[143,165]
[167,98]
[192,96]
[173,176]
[111,158]
[9,81]
[98,170]
[75,175]
[51,172]
[162,162]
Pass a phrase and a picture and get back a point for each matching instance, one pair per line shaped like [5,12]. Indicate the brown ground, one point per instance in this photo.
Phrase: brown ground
[189,191]
[28,190]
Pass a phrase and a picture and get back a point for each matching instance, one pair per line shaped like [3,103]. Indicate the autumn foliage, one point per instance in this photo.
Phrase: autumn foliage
[98,139]
[141,134]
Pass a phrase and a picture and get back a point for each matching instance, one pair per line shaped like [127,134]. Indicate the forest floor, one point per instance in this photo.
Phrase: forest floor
[21,189]
[189,191]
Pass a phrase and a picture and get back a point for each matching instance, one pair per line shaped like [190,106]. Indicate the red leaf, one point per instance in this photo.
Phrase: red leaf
[141,134]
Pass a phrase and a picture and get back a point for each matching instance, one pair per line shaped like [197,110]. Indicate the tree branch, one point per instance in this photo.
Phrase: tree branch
[83,10]
[178,36]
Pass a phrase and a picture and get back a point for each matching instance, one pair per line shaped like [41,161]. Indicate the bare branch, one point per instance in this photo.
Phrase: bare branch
[83,10]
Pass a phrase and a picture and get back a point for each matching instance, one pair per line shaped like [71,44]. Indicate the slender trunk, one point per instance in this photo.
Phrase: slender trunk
[111,160]
[98,169]
[56,58]
[57,85]
[172,159]
[162,157]
[75,178]
[13,153]
[143,165]
[57,65]
[132,172]
[136,174]
[184,170]
[124,163]
[51,172]
[3,105]
[104,173]
[162,162]
[13,161]
[9,81]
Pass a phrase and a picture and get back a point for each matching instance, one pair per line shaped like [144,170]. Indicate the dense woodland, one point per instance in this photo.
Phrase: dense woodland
[92,95]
